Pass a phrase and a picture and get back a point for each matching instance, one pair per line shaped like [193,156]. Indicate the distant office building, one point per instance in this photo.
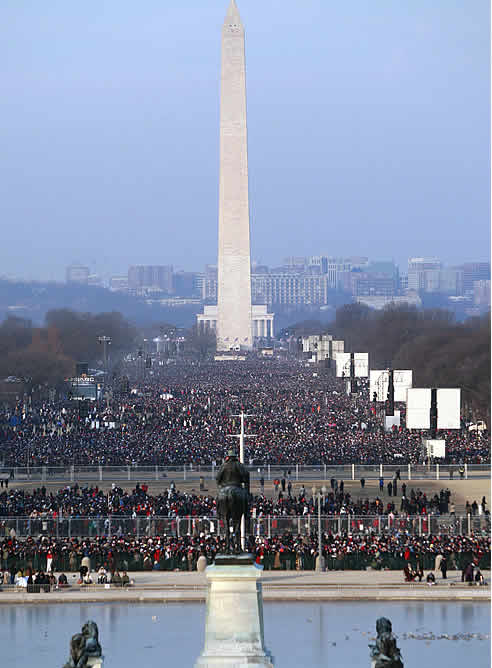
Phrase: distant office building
[386,268]
[419,278]
[376,278]
[77,273]
[290,289]
[357,262]
[198,284]
[472,272]
[151,276]
[189,284]
[451,281]
[344,281]
[446,281]
[298,282]
[331,267]
[295,263]
[364,283]
[334,269]
[314,269]
[176,301]
[279,286]
[209,288]
[293,270]
[94,279]
[429,276]
[379,302]
[481,293]
[259,268]
[118,283]
[429,280]
[319,261]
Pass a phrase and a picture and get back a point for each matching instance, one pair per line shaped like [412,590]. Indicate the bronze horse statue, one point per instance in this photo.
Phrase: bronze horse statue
[233,499]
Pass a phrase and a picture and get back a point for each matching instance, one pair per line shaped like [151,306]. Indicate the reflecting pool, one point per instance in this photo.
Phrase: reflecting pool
[298,634]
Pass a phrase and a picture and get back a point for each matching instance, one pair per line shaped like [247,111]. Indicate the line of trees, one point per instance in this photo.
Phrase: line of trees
[440,351]
[47,355]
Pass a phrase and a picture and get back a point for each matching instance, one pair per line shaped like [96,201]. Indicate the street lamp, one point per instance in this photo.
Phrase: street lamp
[241,437]
[320,562]
[106,341]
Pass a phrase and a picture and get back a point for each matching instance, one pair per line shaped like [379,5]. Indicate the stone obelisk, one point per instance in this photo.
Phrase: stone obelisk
[234,327]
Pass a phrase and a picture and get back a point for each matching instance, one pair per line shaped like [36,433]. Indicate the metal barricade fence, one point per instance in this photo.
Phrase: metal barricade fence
[267,525]
[294,472]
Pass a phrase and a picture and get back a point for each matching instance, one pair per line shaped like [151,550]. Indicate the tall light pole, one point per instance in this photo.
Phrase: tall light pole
[241,436]
[106,341]
[320,563]
[390,400]
[144,358]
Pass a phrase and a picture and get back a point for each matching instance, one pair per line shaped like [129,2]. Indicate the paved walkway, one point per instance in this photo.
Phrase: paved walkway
[277,586]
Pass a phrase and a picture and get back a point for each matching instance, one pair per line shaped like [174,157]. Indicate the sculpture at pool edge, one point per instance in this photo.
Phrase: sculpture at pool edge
[385,653]
[83,646]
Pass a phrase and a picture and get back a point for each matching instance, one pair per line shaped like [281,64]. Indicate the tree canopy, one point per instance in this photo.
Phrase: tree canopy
[47,355]
[440,352]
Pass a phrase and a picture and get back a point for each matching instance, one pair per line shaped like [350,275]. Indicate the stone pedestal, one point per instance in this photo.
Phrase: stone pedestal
[234,621]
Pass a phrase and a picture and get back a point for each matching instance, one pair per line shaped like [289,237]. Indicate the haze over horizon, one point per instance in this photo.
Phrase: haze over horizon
[369,132]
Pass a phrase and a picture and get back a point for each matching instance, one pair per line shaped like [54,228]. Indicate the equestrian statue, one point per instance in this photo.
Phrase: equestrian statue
[233,499]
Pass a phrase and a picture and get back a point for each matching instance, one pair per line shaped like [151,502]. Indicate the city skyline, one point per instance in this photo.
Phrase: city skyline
[106,274]
[303,281]
[313,264]
[368,133]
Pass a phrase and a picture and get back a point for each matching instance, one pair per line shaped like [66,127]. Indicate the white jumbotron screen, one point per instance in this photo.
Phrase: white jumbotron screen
[361,365]
[336,347]
[379,382]
[448,408]
[343,364]
[418,408]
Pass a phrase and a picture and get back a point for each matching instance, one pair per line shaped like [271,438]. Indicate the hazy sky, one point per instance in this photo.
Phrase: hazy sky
[369,131]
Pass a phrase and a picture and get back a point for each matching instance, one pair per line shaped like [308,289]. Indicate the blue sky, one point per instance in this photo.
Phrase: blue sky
[369,131]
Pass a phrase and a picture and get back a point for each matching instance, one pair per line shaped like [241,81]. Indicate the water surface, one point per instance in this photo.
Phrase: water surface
[300,635]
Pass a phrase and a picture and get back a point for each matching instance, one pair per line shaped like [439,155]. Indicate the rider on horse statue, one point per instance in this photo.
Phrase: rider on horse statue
[233,497]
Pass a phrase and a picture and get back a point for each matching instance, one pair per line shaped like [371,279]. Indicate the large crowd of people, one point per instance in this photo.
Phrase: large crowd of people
[285,551]
[184,414]
[90,501]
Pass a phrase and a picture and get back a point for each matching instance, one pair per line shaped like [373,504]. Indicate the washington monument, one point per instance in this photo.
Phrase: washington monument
[234,277]
[237,323]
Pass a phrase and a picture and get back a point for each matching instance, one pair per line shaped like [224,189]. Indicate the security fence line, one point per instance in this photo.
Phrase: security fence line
[287,560]
[193,472]
[267,525]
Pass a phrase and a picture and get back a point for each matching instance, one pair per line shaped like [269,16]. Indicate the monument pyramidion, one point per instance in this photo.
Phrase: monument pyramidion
[237,323]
